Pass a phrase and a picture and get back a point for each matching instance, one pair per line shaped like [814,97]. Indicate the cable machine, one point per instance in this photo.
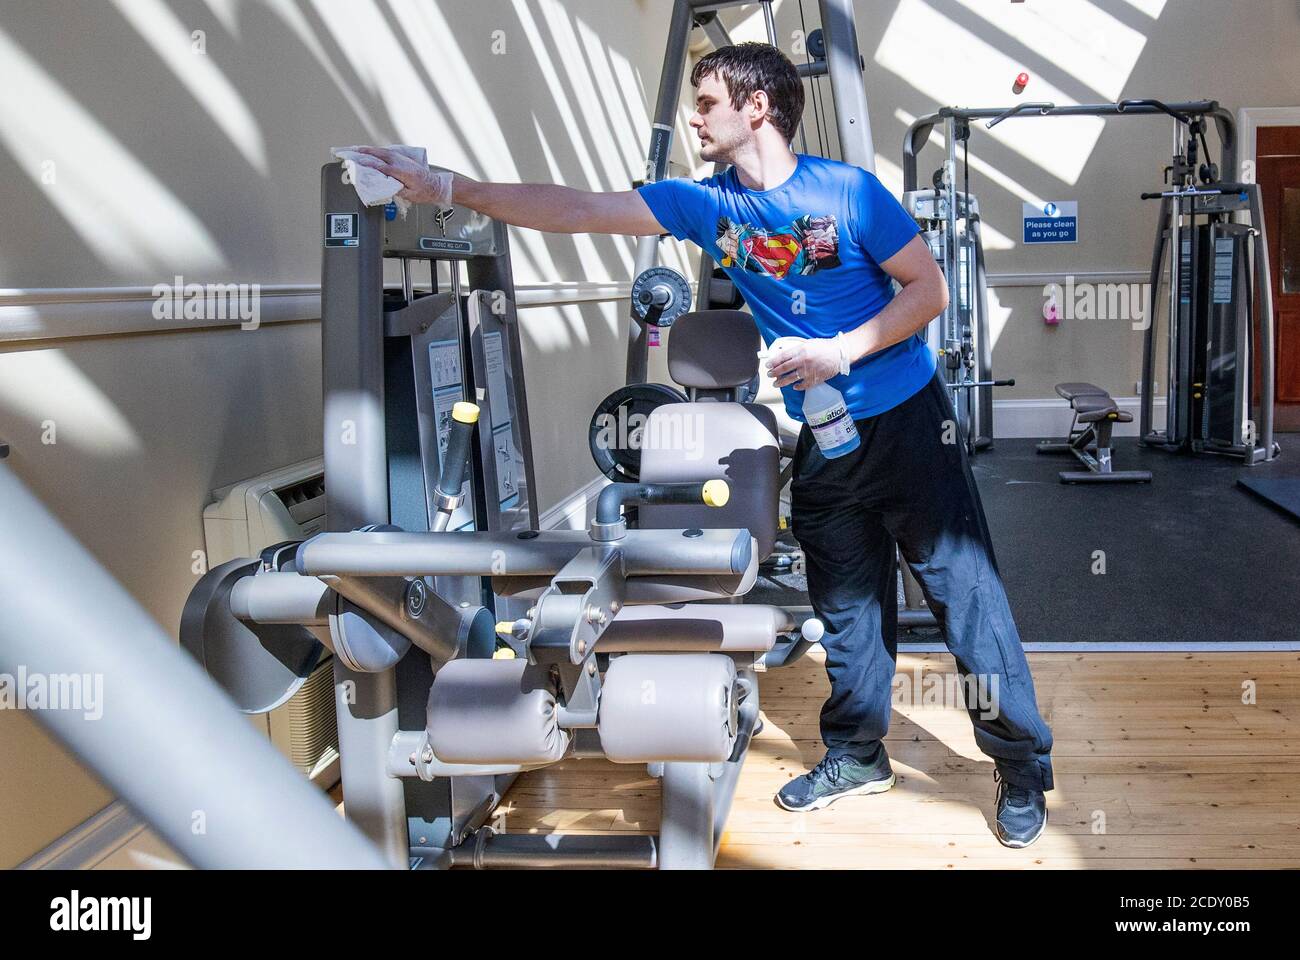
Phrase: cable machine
[1219,326]
[1219,330]
[950,224]
[660,295]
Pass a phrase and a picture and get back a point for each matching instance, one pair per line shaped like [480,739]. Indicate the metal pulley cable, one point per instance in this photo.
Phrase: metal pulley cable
[817,115]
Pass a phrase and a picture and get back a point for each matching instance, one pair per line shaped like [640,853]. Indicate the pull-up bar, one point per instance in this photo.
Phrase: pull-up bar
[919,132]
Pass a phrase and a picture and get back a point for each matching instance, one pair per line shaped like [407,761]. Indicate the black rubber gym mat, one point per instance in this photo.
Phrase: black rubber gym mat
[1183,559]
[1283,492]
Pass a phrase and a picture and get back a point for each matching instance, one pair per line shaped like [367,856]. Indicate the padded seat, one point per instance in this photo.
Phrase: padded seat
[1090,408]
[688,442]
[1069,391]
[713,354]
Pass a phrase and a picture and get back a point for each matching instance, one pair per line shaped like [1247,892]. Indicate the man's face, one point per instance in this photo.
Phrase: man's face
[720,126]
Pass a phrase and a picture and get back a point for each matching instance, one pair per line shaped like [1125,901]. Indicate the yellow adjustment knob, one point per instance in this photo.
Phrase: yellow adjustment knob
[716,493]
[506,628]
[505,653]
[465,412]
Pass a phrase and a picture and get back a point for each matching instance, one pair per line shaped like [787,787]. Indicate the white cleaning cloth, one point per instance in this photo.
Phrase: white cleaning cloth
[374,188]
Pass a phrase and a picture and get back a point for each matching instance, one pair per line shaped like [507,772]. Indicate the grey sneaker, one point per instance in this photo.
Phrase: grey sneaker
[1022,813]
[836,777]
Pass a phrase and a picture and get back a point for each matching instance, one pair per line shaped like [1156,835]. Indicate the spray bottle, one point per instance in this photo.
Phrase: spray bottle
[825,411]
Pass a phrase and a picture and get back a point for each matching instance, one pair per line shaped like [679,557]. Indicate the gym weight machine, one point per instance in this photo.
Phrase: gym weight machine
[714,367]
[469,646]
[1219,322]
[950,224]
[1213,341]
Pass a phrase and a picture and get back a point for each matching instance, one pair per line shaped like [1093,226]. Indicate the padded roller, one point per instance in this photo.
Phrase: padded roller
[494,711]
[673,707]
[723,627]
[362,642]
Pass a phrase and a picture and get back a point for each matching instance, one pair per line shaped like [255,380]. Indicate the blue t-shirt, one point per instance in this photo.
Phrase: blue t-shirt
[806,256]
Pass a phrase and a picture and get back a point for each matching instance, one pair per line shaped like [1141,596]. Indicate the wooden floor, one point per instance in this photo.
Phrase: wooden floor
[1158,764]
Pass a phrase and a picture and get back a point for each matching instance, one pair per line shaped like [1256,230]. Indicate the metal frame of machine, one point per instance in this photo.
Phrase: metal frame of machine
[840,63]
[469,646]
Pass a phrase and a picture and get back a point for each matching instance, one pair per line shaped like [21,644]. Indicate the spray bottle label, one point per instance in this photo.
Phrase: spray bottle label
[833,427]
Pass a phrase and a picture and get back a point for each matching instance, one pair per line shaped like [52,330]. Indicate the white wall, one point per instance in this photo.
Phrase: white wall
[144,427]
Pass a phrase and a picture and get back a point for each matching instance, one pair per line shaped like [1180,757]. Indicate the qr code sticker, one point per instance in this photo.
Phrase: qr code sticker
[340,225]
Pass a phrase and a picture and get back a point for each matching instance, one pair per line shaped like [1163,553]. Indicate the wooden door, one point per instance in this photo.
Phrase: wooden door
[1278,173]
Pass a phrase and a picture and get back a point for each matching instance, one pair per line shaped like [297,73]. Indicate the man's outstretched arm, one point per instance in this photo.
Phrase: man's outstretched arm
[538,206]
[555,209]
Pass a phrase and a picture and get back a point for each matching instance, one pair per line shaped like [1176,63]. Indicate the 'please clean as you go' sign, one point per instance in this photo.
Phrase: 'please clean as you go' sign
[1056,221]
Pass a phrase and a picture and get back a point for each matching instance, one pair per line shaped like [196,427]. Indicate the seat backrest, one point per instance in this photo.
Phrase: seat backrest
[691,442]
[713,352]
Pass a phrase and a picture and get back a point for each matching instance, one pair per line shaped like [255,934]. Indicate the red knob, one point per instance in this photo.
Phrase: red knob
[1022,81]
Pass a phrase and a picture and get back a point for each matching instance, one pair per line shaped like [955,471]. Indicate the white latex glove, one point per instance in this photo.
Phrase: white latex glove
[806,363]
[419,183]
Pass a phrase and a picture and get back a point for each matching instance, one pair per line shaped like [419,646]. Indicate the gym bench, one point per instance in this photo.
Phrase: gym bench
[1095,414]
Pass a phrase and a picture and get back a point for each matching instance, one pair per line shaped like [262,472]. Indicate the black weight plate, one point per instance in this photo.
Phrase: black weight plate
[614,434]
[259,670]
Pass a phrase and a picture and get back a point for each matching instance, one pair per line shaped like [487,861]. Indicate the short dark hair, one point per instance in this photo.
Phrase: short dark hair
[749,67]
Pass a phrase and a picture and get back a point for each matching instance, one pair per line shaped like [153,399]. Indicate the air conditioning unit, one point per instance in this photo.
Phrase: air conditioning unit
[285,504]
[247,517]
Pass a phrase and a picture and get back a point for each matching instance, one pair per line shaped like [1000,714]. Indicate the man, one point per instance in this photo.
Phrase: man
[813,246]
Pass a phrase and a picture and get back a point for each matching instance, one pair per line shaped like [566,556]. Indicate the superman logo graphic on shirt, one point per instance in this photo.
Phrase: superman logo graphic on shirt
[805,246]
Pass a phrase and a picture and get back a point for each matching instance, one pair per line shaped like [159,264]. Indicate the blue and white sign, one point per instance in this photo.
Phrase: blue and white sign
[1056,221]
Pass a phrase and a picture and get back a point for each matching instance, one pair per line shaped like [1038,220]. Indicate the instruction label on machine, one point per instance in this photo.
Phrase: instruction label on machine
[448,388]
[1056,221]
[503,441]
[1223,257]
